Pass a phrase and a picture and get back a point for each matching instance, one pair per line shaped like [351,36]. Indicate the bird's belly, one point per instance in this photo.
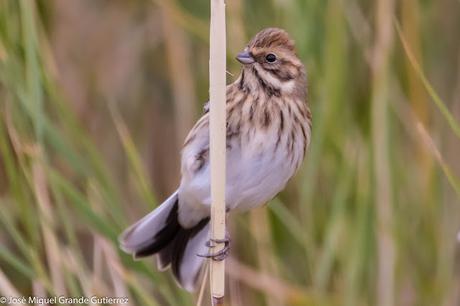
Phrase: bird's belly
[258,179]
[255,173]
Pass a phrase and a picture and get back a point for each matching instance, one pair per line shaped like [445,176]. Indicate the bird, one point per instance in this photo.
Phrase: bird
[268,131]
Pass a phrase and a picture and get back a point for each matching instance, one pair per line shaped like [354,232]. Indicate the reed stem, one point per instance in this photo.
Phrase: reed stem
[217,84]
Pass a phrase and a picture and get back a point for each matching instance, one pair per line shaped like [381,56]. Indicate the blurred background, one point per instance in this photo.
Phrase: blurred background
[96,97]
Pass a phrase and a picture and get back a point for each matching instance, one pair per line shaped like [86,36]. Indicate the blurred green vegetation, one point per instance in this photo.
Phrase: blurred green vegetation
[96,98]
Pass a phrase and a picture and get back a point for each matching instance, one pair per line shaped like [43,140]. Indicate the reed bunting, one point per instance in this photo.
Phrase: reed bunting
[268,133]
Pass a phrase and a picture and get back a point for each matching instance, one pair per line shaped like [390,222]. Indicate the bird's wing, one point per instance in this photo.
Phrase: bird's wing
[194,190]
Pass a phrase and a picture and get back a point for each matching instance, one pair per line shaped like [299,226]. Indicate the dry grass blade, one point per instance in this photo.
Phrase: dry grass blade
[410,120]
[47,224]
[6,287]
[112,259]
[134,158]
[453,123]
[38,290]
[259,226]
[426,138]
[133,283]
[274,287]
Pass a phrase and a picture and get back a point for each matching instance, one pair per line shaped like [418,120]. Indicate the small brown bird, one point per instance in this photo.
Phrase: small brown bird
[268,133]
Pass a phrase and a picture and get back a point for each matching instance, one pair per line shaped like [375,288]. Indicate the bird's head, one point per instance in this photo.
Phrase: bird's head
[270,61]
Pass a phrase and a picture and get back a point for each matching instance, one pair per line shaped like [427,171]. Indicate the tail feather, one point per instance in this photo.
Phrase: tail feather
[185,263]
[160,233]
[163,237]
[164,257]
[152,232]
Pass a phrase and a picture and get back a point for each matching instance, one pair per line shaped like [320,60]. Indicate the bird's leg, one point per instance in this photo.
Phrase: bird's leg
[220,255]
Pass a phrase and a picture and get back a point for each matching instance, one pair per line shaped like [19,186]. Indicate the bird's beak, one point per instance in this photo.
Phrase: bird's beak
[245,58]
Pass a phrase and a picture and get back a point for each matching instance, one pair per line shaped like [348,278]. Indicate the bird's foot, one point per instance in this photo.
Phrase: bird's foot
[220,255]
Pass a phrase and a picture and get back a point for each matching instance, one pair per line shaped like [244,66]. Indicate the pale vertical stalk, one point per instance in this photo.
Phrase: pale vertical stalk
[217,84]
[383,190]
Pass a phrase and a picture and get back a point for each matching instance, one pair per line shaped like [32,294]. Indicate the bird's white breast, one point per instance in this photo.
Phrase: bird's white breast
[256,172]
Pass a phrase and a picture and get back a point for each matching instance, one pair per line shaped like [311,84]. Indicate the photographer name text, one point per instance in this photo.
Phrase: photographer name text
[54,300]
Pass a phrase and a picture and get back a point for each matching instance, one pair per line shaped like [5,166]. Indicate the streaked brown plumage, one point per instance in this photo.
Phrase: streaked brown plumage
[254,102]
[268,133]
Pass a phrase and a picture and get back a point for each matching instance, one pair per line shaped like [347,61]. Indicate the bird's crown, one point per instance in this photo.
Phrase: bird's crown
[272,38]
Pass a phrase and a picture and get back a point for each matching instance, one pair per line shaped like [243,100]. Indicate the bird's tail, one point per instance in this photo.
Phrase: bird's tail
[160,233]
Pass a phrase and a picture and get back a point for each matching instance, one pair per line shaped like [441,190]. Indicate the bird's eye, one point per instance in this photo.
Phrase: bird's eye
[270,57]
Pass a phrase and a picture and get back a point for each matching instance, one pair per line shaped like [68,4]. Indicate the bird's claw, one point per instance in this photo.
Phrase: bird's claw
[211,243]
[220,255]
